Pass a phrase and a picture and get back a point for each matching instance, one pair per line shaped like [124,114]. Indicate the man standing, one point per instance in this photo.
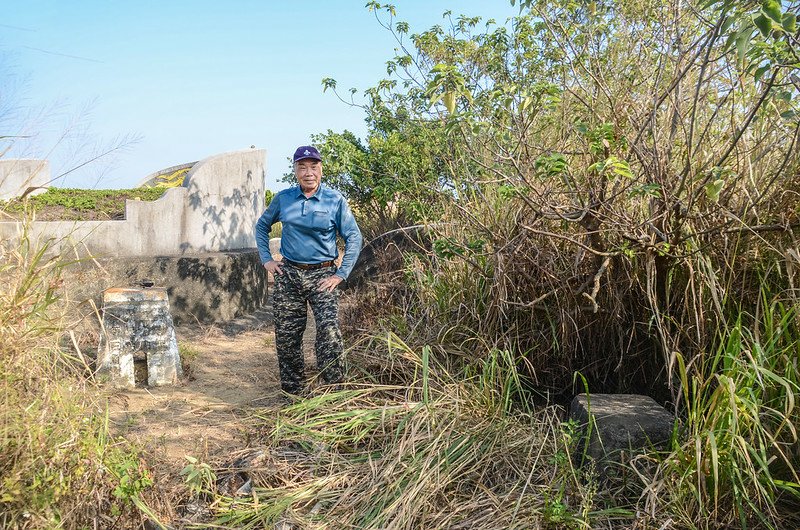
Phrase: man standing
[311,216]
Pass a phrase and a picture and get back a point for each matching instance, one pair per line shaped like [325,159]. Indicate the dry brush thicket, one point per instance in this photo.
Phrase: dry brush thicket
[611,190]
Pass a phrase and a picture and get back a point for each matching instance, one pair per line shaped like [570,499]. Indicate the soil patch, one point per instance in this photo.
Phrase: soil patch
[231,370]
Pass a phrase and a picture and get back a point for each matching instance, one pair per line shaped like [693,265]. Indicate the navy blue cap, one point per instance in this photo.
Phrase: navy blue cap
[306,151]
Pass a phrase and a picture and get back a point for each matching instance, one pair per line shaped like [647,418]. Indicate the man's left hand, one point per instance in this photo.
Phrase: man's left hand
[330,283]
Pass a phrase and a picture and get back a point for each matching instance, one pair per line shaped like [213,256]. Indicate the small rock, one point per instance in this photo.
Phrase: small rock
[621,422]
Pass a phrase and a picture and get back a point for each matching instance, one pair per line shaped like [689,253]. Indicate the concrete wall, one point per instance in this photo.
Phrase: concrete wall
[226,198]
[17,175]
[205,288]
[215,210]
[197,241]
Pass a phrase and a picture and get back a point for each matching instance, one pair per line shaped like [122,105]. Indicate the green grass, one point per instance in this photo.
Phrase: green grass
[737,452]
[76,204]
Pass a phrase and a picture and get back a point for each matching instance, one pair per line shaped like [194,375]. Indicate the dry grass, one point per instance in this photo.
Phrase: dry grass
[437,451]
[58,465]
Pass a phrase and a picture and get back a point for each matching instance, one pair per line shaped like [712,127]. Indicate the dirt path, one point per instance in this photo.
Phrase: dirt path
[232,369]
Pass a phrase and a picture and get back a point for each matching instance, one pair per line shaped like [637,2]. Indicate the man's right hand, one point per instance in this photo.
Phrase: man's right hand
[273,266]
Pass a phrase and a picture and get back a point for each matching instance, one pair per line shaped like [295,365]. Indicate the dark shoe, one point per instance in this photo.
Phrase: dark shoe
[293,395]
[292,390]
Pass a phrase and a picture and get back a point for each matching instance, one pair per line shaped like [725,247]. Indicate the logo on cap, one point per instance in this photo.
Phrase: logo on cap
[306,151]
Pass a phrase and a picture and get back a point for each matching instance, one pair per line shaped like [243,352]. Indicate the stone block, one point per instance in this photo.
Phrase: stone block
[620,422]
[275,251]
[137,323]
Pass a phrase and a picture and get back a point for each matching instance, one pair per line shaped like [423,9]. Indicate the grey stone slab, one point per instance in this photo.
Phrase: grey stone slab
[620,422]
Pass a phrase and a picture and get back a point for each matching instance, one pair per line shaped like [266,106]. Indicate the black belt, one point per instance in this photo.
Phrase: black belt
[309,266]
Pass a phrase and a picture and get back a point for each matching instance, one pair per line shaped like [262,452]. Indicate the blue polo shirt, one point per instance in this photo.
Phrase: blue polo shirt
[309,228]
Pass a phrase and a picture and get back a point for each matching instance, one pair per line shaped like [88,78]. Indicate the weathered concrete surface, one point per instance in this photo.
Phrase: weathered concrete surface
[17,175]
[275,247]
[206,288]
[621,422]
[215,210]
[226,198]
[138,321]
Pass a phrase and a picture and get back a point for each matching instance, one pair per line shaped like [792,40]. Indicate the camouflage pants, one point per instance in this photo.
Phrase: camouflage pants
[293,289]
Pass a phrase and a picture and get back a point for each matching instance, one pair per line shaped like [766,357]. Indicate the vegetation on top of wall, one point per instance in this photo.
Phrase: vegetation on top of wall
[79,204]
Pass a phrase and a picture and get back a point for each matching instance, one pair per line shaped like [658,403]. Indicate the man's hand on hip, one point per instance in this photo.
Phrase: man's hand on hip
[273,266]
[330,283]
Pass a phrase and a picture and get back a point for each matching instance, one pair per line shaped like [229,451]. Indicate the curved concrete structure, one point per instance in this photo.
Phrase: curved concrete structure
[214,210]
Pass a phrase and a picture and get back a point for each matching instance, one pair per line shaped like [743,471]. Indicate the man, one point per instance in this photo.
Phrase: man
[311,216]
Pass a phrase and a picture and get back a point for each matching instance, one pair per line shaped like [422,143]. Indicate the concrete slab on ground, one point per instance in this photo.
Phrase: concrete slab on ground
[620,422]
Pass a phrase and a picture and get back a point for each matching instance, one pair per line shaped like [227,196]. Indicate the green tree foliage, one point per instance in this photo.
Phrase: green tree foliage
[604,146]
[393,180]
[607,183]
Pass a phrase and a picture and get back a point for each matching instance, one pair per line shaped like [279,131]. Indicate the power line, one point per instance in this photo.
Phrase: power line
[16,27]
[62,54]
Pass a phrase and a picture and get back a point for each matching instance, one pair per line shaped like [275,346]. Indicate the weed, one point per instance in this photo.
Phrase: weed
[132,477]
[737,451]
[59,468]
[198,476]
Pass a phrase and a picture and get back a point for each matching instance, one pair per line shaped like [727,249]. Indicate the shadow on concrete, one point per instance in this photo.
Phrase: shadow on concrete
[205,288]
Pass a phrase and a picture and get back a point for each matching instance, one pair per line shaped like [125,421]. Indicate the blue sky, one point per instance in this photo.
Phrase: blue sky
[188,80]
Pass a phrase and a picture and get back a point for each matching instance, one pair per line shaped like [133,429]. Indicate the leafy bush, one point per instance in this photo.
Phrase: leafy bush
[605,185]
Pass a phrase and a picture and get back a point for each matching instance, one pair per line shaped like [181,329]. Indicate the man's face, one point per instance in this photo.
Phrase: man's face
[309,174]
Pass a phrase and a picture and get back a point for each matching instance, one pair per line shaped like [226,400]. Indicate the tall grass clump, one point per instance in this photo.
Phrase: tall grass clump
[59,468]
[737,459]
[441,450]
